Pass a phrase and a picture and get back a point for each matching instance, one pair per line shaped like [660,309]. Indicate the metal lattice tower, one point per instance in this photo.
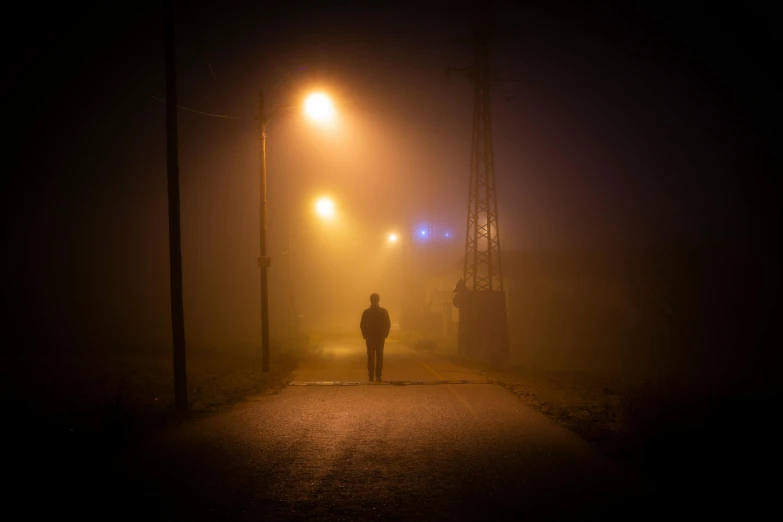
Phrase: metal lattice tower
[480,297]
[483,269]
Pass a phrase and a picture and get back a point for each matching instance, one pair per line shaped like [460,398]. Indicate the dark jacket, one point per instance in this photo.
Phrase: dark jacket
[375,323]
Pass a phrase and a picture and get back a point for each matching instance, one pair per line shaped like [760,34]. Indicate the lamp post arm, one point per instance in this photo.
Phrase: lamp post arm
[274,111]
[299,106]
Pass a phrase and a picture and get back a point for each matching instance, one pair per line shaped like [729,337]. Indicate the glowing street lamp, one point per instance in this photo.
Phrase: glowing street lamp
[318,107]
[393,238]
[324,207]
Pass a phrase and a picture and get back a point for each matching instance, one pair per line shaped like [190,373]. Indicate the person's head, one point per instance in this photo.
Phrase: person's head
[374,298]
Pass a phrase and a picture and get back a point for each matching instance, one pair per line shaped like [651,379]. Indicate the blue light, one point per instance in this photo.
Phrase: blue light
[447,234]
[423,232]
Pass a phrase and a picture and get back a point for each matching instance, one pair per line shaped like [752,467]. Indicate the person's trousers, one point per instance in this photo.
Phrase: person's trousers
[374,357]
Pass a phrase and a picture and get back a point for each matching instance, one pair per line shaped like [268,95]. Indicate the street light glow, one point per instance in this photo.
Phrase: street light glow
[393,238]
[319,107]
[324,207]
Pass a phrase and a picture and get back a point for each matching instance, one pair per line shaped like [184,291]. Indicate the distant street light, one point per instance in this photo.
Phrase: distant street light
[318,107]
[393,238]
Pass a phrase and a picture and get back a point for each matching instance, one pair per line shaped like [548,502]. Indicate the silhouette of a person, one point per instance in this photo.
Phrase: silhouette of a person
[375,326]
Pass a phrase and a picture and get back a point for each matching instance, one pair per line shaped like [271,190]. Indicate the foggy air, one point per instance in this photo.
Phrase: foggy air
[399,260]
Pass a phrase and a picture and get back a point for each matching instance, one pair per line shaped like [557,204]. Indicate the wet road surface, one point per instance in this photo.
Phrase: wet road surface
[370,451]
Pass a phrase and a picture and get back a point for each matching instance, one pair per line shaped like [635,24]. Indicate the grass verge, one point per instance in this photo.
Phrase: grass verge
[588,403]
[699,425]
[118,395]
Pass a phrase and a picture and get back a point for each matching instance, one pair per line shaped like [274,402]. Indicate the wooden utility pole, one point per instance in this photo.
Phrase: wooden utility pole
[292,294]
[263,260]
[175,243]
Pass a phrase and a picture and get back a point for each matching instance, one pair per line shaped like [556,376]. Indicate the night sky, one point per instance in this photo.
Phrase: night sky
[613,126]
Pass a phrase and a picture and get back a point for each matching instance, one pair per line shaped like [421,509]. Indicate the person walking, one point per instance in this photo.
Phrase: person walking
[375,326]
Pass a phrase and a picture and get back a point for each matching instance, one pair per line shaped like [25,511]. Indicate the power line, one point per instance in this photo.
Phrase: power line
[218,91]
[212,72]
[224,116]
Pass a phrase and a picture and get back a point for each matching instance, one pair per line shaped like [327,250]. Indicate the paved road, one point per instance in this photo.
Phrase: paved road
[373,451]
